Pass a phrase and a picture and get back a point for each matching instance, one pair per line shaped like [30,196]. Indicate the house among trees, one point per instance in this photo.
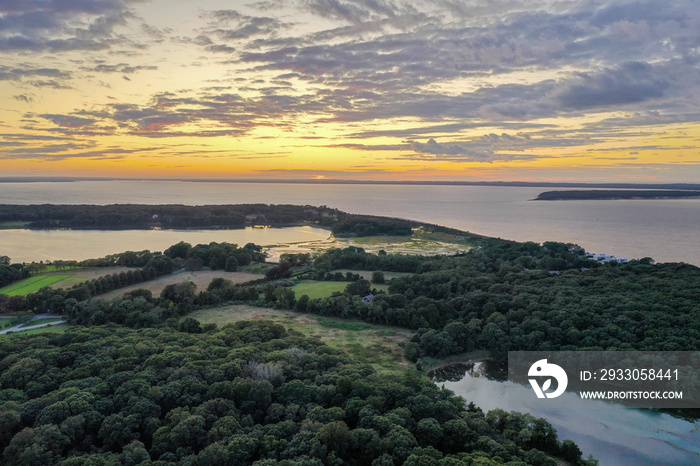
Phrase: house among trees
[604,258]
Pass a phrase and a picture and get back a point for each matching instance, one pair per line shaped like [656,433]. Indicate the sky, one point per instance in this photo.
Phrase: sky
[535,90]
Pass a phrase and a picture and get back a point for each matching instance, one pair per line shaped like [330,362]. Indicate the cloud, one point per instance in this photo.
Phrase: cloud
[423,76]
[51,83]
[335,9]
[69,150]
[34,25]
[121,68]
[68,121]
[17,73]
[630,83]
[232,26]
[391,74]
[24,98]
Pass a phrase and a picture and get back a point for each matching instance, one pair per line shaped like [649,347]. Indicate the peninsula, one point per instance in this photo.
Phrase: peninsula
[605,194]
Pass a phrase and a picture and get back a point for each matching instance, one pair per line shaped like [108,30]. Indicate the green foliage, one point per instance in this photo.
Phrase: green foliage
[11,272]
[506,296]
[371,226]
[134,216]
[360,288]
[378,277]
[250,393]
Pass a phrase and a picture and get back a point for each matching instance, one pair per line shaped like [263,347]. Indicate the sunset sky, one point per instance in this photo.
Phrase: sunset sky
[531,90]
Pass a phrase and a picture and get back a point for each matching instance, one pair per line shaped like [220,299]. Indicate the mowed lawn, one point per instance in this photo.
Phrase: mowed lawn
[315,290]
[63,279]
[378,345]
[32,284]
[323,289]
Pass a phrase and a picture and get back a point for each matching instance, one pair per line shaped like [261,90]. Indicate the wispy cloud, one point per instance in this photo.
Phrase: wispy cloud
[61,26]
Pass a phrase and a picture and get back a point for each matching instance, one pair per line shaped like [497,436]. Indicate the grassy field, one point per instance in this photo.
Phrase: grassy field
[201,278]
[24,287]
[378,345]
[315,290]
[323,289]
[51,329]
[58,279]
[66,279]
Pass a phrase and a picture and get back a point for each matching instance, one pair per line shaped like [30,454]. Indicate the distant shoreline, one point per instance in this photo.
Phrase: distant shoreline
[517,184]
[605,195]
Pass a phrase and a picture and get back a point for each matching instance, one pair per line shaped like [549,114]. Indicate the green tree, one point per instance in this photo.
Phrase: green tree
[378,277]
[231,264]
[360,287]
[181,250]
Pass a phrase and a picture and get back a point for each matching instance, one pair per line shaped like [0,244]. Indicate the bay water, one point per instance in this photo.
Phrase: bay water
[614,434]
[663,229]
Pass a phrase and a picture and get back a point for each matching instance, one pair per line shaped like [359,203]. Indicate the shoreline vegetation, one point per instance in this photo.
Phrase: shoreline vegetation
[177,216]
[601,195]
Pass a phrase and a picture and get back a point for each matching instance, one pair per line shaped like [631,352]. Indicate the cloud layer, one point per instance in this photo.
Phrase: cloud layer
[463,81]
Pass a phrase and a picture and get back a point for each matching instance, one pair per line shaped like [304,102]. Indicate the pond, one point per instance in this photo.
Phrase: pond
[613,434]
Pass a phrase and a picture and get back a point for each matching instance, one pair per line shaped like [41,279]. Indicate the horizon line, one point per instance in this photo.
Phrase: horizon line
[641,185]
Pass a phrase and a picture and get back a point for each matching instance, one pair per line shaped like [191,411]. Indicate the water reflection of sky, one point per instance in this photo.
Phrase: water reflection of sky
[614,434]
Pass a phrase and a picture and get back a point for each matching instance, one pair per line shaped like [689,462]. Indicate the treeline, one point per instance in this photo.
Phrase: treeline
[139,216]
[602,194]
[250,393]
[363,226]
[140,309]
[11,272]
[216,256]
[57,300]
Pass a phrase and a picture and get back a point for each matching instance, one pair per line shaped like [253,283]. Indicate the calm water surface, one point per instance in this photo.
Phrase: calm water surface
[665,230]
[36,245]
[615,435]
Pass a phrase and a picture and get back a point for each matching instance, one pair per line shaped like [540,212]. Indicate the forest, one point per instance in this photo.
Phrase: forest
[249,393]
[603,194]
[138,216]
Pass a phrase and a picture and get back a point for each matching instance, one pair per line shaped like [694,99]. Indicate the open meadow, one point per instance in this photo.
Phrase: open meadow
[201,278]
[378,345]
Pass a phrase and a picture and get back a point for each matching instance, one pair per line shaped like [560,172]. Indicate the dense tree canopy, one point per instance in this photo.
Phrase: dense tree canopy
[250,393]
[523,296]
[208,216]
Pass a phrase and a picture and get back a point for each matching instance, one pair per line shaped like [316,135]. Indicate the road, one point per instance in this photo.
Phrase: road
[27,326]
